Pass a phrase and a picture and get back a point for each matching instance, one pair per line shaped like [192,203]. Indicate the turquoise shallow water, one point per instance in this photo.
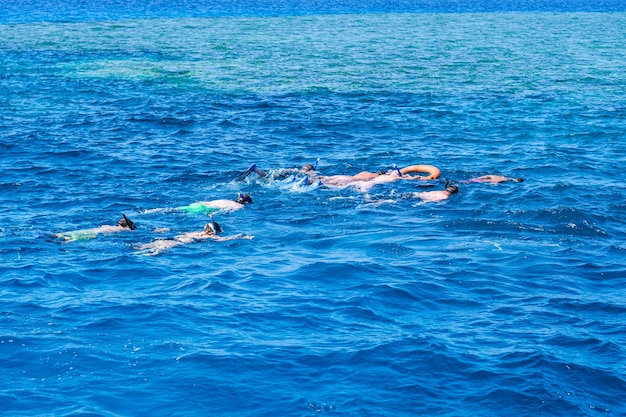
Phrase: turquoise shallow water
[505,299]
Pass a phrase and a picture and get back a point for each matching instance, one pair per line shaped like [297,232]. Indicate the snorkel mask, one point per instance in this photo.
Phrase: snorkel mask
[244,199]
[212,228]
[451,188]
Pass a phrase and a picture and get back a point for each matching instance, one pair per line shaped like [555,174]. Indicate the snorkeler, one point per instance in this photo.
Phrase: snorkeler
[307,169]
[208,207]
[365,180]
[493,179]
[124,224]
[210,231]
[362,181]
[434,196]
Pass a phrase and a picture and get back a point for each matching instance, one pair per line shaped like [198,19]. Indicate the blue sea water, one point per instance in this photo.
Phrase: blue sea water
[504,300]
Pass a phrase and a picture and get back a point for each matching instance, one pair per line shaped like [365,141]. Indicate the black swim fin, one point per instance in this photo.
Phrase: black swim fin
[247,172]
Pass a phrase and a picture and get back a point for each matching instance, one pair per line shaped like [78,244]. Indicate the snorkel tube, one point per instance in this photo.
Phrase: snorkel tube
[398,169]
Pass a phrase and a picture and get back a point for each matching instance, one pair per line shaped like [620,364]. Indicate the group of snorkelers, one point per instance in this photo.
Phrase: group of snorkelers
[365,180]
[362,181]
[210,231]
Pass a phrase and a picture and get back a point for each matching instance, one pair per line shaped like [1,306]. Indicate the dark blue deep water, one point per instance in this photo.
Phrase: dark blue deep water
[504,300]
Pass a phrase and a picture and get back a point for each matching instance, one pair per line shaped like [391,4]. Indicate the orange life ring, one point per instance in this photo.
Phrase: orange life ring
[433,171]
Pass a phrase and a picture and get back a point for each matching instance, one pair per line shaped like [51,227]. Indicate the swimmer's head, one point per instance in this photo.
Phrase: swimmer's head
[244,199]
[452,189]
[308,167]
[126,223]
[518,179]
[212,228]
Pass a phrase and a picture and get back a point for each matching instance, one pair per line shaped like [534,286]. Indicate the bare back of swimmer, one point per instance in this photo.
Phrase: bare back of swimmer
[435,196]
[208,207]
[124,224]
[343,180]
[367,179]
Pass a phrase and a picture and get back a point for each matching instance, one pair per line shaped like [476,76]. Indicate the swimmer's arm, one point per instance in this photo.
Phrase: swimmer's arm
[239,236]
[411,177]
[417,177]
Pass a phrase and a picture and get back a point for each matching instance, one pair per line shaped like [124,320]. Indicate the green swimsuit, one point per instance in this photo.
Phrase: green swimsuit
[198,208]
